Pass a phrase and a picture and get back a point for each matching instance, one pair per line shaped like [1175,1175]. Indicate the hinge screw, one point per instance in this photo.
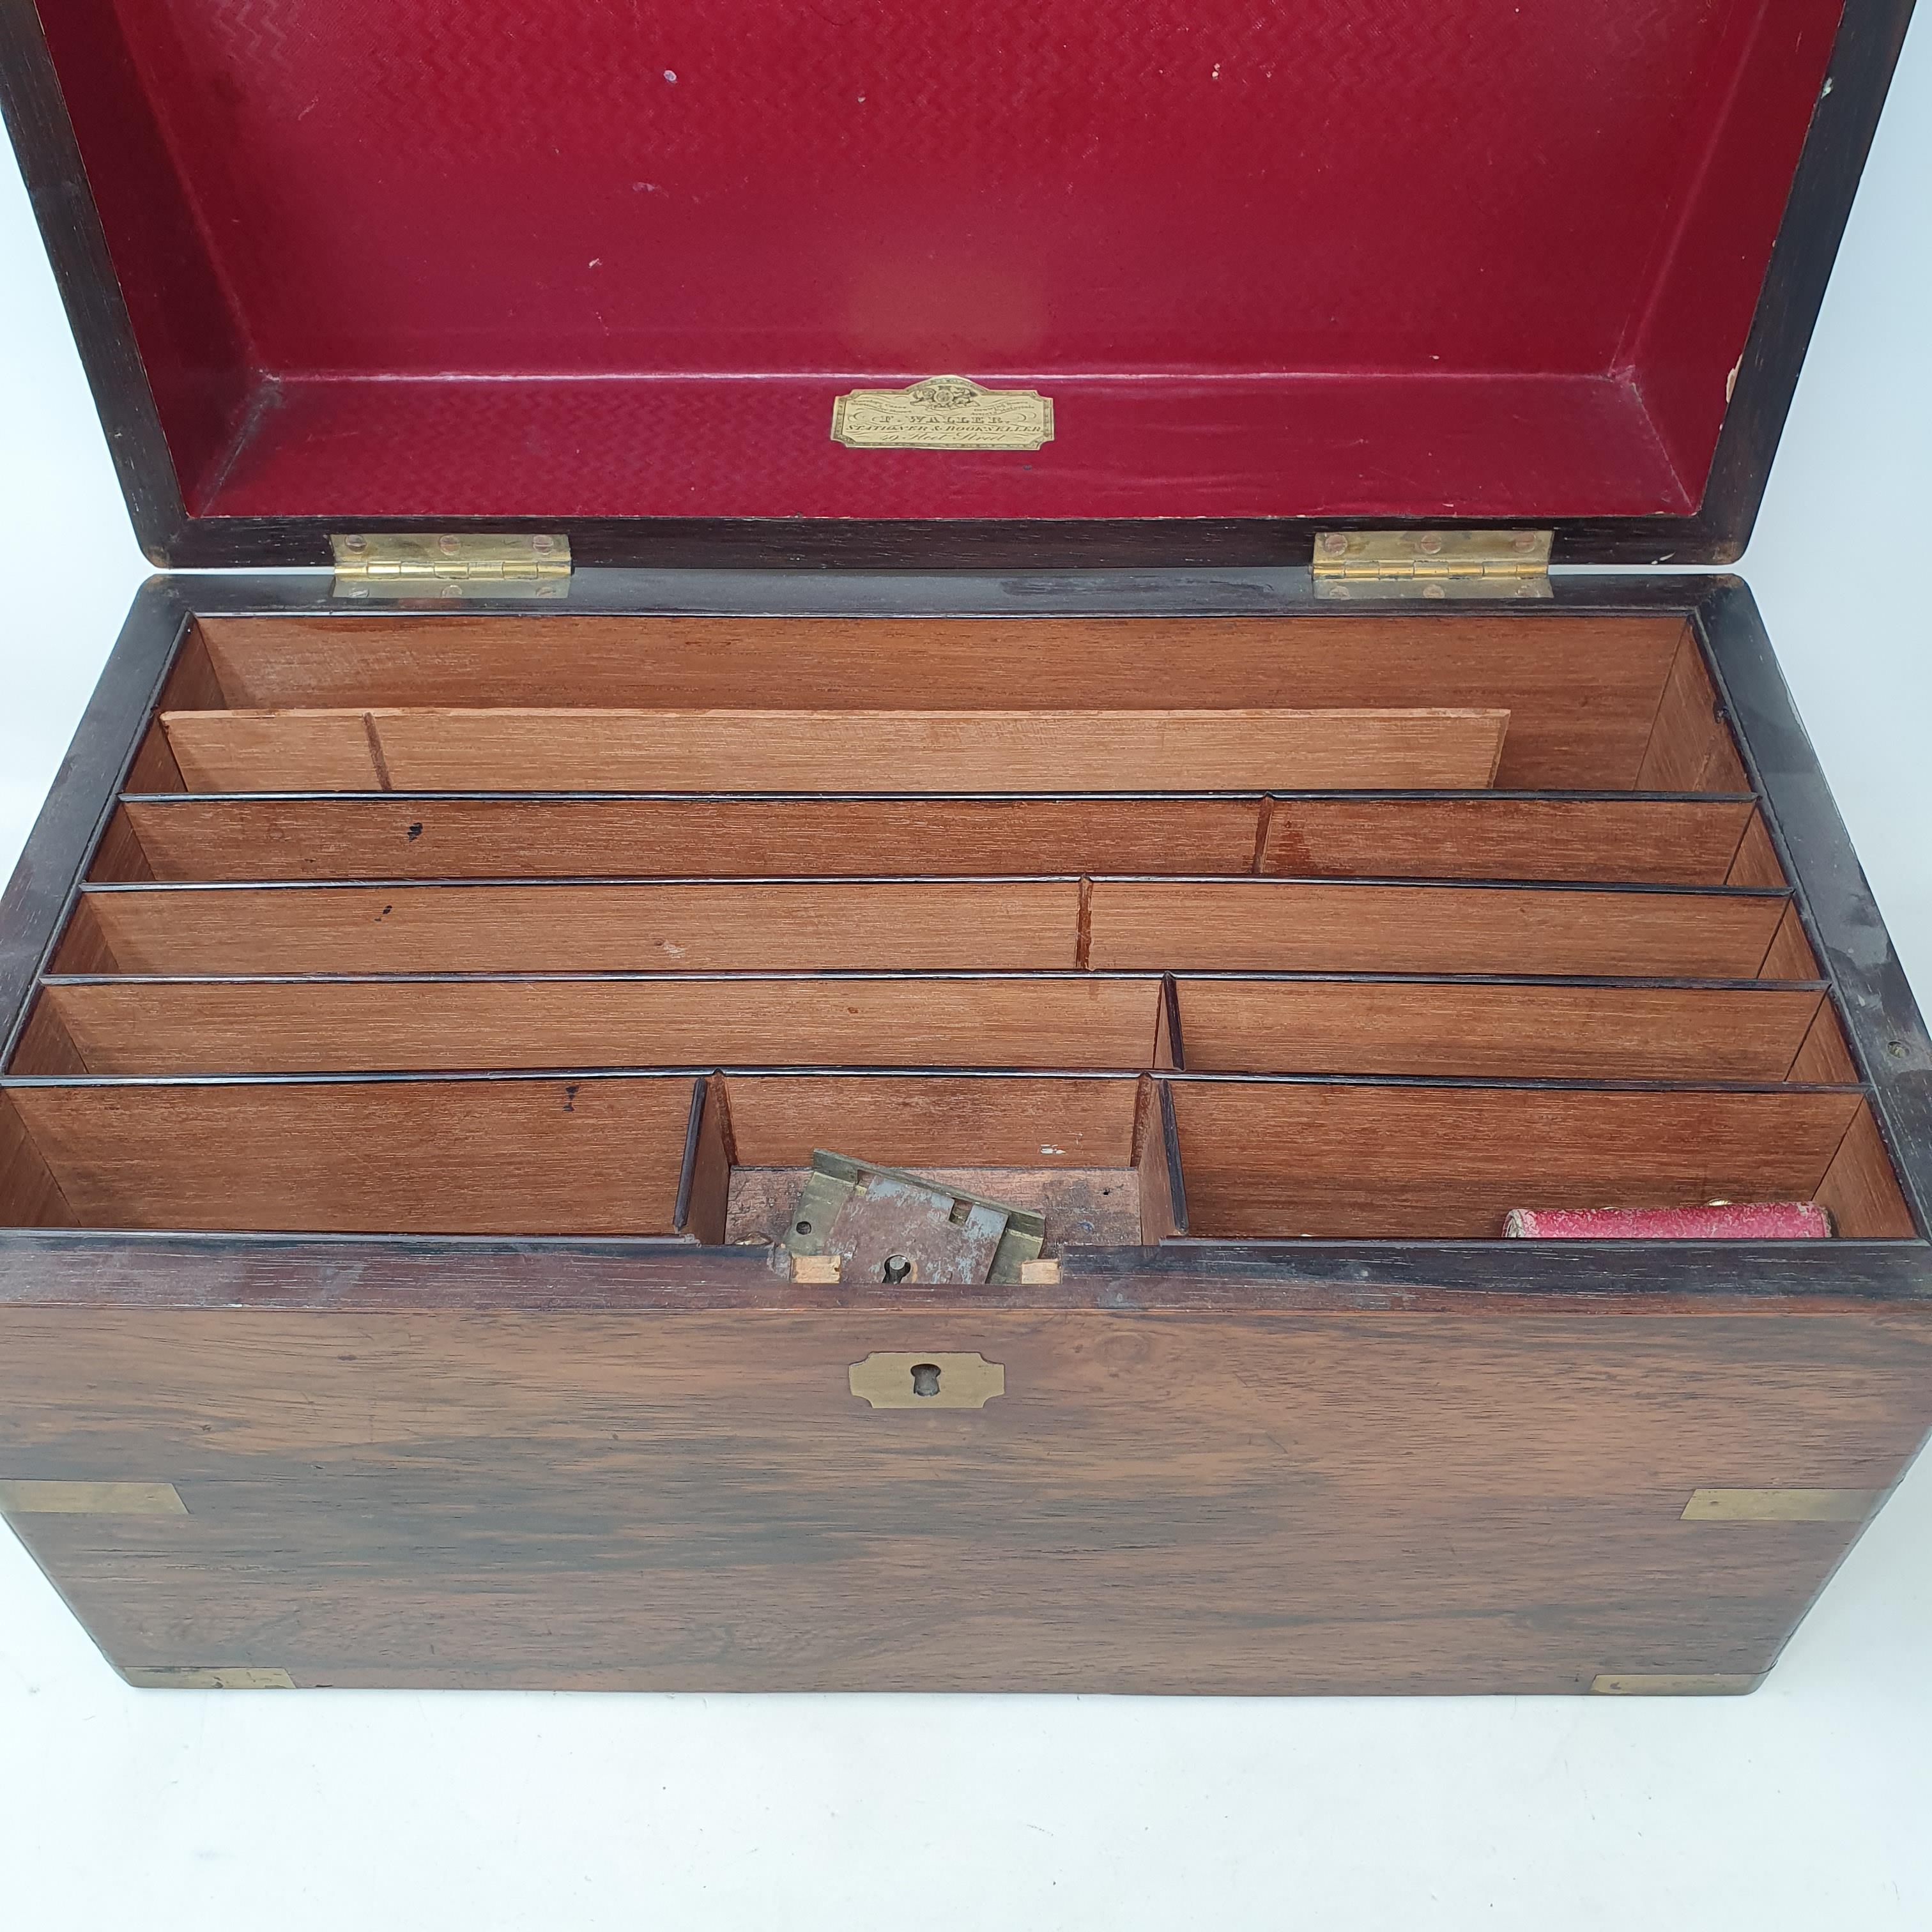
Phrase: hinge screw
[1334,543]
[356,543]
[447,545]
[1429,541]
[1523,541]
[543,544]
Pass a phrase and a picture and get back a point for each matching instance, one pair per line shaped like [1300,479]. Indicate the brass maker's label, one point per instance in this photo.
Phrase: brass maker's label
[943,412]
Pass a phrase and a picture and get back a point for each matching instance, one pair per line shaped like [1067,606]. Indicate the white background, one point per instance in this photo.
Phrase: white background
[1809,1805]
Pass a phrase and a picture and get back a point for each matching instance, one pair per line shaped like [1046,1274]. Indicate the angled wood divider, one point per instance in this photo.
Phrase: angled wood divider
[852,751]
[1611,839]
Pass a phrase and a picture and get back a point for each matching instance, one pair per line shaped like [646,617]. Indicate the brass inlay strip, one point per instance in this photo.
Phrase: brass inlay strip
[1709,1685]
[928,1381]
[208,1677]
[21,1496]
[1781,1505]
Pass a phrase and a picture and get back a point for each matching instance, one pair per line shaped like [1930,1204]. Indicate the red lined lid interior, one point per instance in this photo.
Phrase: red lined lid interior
[1491,258]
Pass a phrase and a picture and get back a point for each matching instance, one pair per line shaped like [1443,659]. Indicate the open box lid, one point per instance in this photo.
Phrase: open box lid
[606,270]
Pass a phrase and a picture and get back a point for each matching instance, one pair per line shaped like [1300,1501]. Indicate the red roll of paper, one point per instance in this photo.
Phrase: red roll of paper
[1717,1221]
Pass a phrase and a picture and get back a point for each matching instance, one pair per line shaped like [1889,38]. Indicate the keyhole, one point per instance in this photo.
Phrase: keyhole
[898,1268]
[925,1378]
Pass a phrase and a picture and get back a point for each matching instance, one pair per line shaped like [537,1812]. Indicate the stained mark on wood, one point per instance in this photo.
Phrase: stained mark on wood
[376,758]
[1263,819]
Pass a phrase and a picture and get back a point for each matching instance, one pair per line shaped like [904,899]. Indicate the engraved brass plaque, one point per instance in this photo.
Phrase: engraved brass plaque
[943,412]
[928,1381]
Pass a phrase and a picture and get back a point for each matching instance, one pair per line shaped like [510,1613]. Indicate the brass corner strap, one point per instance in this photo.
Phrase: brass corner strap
[1432,563]
[29,1495]
[1782,1505]
[206,1677]
[1683,1683]
[450,564]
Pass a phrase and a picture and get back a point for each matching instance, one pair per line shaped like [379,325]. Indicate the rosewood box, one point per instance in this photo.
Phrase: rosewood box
[1048,598]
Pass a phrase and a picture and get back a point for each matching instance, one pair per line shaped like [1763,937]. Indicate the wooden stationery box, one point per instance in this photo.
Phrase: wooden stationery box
[618,715]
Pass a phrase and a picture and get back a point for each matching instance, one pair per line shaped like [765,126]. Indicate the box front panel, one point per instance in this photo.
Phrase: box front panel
[1336,1502]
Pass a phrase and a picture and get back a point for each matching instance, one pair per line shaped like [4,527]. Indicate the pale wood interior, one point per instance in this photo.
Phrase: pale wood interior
[881,750]
[1551,1029]
[777,925]
[437,923]
[602,1154]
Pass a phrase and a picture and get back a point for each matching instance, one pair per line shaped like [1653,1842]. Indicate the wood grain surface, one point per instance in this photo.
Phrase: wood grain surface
[833,751]
[1644,840]
[191,838]
[1264,924]
[1278,1159]
[767,925]
[1668,841]
[1860,1190]
[1691,747]
[560,1156]
[289,1027]
[1586,1033]
[1260,1504]
[1583,690]
[934,1121]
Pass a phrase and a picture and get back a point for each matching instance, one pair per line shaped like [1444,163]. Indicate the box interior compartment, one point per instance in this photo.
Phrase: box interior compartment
[1369,927]
[1254,256]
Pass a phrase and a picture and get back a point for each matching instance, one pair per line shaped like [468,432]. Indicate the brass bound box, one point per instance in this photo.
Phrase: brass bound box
[859,846]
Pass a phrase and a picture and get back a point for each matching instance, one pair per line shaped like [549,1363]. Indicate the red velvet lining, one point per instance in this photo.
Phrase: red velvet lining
[1480,257]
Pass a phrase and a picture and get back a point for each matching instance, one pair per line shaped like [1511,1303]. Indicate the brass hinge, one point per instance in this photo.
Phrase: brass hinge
[1432,563]
[450,566]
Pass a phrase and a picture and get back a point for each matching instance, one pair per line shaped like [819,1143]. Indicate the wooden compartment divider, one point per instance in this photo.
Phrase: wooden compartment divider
[359,953]
[1606,838]
[704,1181]
[1286,1024]
[1496,1029]
[1271,1159]
[689,925]
[496,1154]
[136,1026]
[1583,691]
[1163,1185]
[988,925]
[1368,926]
[595,1153]
[840,750]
